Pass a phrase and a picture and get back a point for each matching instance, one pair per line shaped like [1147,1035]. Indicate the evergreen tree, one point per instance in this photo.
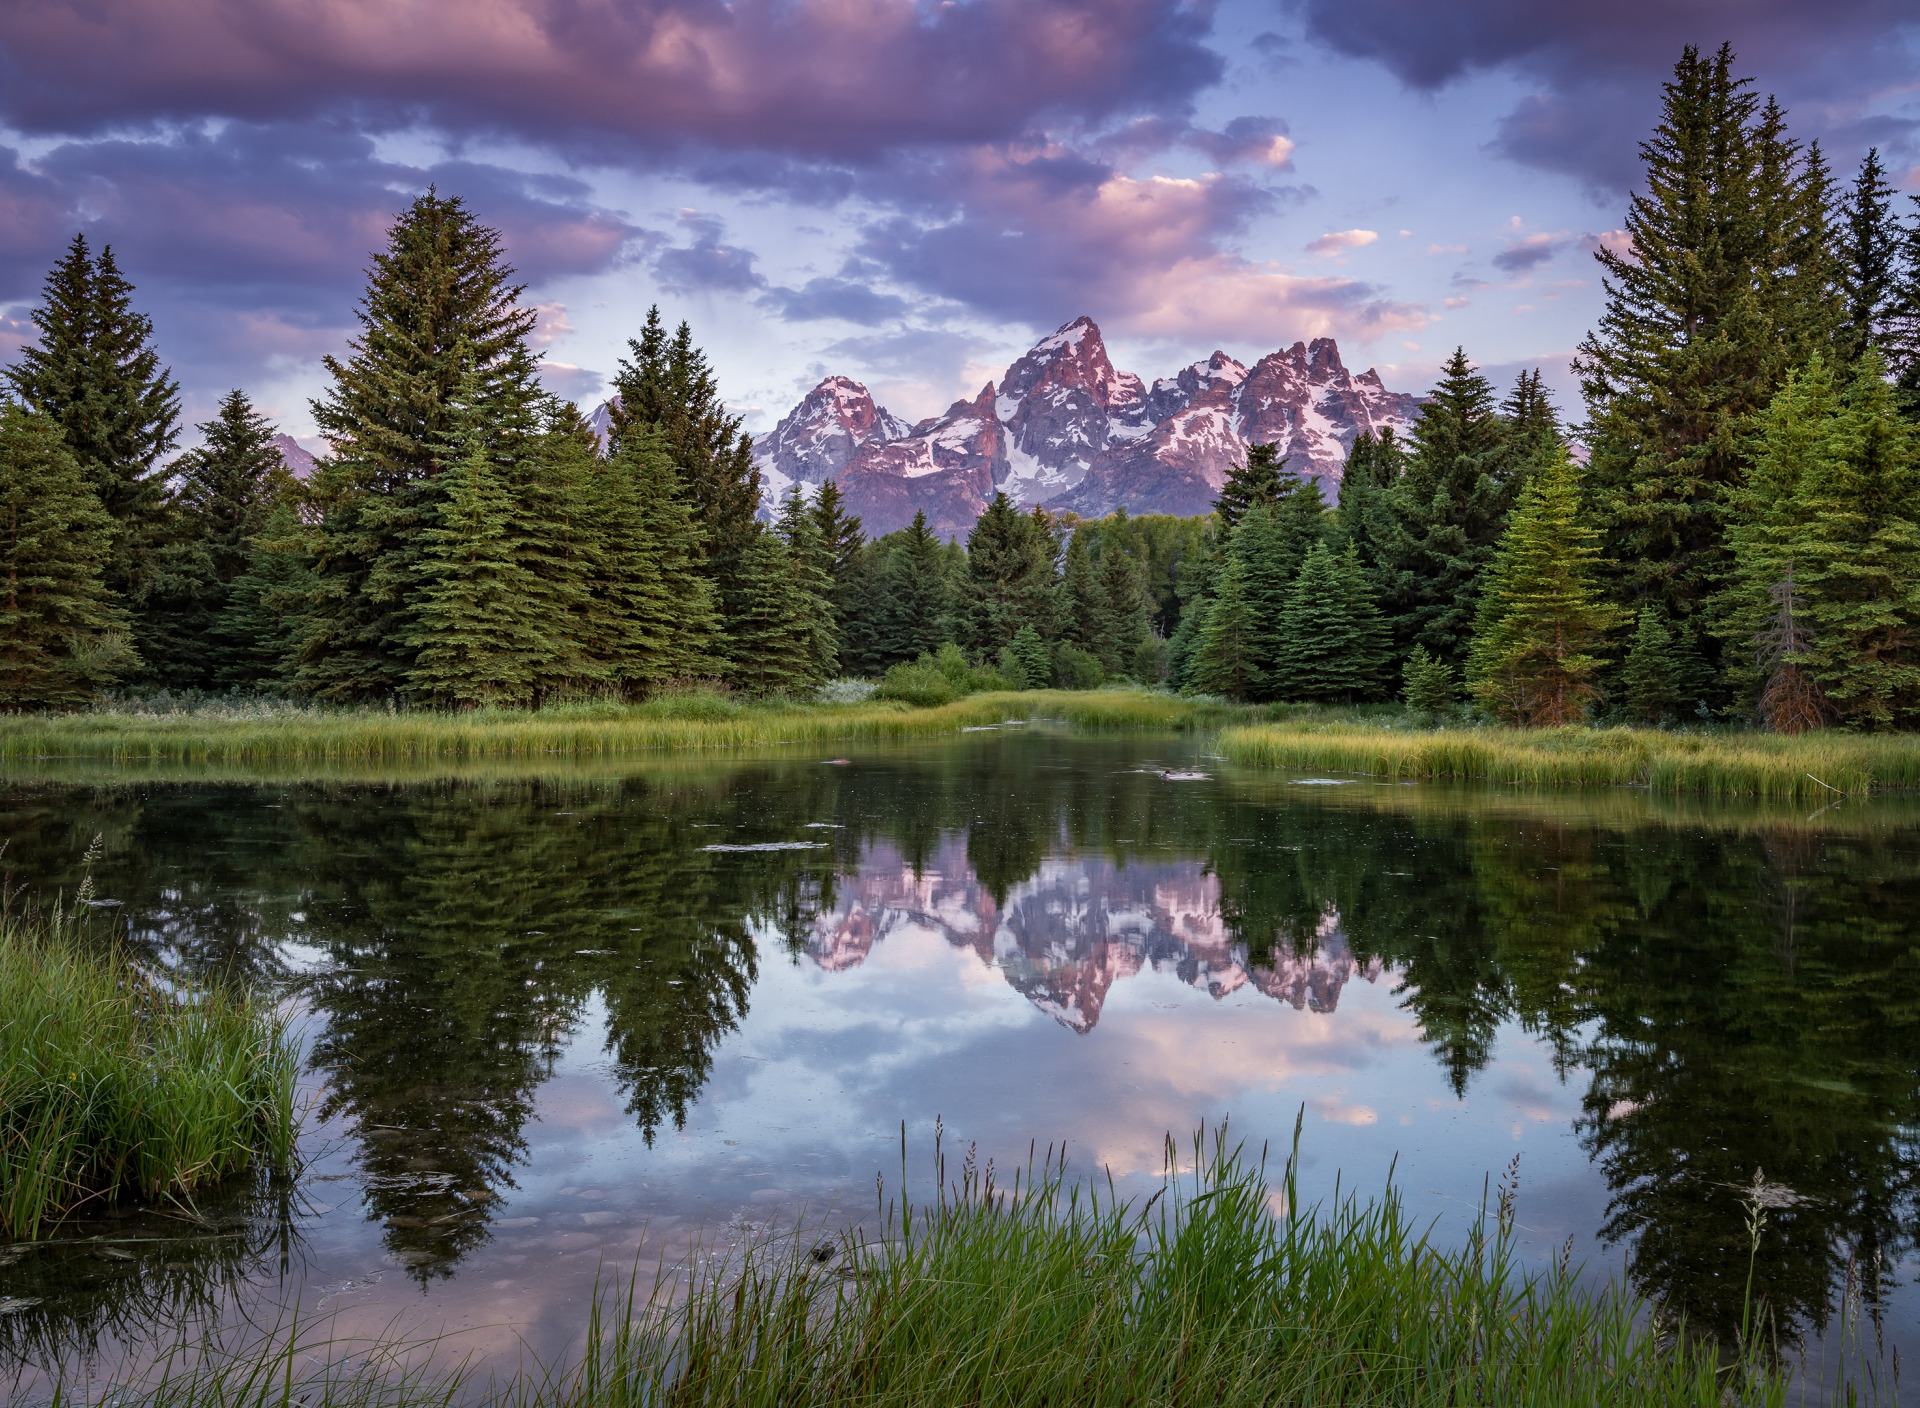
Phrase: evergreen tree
[475,641]
[1869,265]
[1541,617]
[96,375]
[1080,601]
[917,602]
[1373,466]
[771,648]
[1427,683]
[1010,576]
[667,382]
[1122,611]
[1532,427]
[1255,481]
[1901,338]
[813,565]
[1434,532]
[1225,656]
[1856,556]
[224,492]
[1030,653]
[259,625]
[1270,550]
[843,542]
[1648,689]
[440,313]
[1336,643]
[1720,294]
[61,634]
[1194,591]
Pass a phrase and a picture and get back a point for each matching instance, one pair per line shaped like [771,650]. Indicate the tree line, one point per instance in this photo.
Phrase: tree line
[1731,533]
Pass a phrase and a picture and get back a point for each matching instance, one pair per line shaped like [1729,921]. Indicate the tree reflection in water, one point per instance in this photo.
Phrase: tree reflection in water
[1736,991]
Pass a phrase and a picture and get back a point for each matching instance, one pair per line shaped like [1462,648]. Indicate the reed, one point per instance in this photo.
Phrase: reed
[114,1080]
[675,722]
[1808,768]
[1053,1292]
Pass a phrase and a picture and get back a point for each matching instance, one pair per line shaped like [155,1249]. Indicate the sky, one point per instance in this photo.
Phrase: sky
[908,192]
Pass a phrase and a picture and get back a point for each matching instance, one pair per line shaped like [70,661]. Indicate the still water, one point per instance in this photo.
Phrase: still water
[558,1025]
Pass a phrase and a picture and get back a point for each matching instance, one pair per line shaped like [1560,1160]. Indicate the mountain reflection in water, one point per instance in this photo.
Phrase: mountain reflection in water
[1730,990]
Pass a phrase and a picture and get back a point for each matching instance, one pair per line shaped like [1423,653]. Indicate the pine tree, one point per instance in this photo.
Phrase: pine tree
[771,646]
[96,375]
[1901,339]
[917,602]
[1336,647]
[225,491]
[1374,465]
[1080,600]
[1122,611]
[1427,684]
[1256,480]
[1225,655]
[1648,689]
[1856,556]
[844,542]
[1719,296]
[475,641]
[813,580]
[1010,576]
[259,625]
[440,313]
[61,634]
[1541,617]
[1434,532]
[1869,265]
[1194,590]
[1030,653]
[1532,428]
[667,383]
[1270,551]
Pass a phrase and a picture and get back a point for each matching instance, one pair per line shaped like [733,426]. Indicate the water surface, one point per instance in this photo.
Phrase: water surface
[560,1021]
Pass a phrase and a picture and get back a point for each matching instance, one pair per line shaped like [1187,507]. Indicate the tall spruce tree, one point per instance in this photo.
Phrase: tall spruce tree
[1256,480]
[440,311]
[62,635]
[1373,466]
[1542,619]
[259,626]
[1336,643]
[1434,532]
[1080,604]
[812,562]
[95,373]
[1122,610]
[1901,340]
[1227,649]
[916,601]
[1010,577]
[771,648]
[224,492]
[668,383]
[1870,259]
[1270,544]
[842,538]
[1720,293]
[1649,691]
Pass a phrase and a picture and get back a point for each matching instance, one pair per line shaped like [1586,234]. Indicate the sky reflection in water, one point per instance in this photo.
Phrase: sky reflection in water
[548,1017]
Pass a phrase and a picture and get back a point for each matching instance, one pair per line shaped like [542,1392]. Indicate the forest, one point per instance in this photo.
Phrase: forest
[1732,532]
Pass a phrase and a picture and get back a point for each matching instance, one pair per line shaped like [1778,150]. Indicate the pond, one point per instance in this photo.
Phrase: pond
[563,1022]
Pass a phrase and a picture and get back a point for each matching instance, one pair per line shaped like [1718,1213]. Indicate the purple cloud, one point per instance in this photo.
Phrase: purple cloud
[707,264]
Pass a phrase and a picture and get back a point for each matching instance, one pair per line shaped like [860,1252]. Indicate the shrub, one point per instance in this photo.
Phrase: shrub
[845,692]
[1074,668]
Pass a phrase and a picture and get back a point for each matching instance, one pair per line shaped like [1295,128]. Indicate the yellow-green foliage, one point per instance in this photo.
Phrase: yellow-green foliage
[1806,768]
[113,1080]
[674,722]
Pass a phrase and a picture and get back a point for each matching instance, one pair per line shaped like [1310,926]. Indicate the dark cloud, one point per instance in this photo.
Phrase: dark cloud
[1527,254]
[851,300]
[823,78]
[707,265]
[1600,67]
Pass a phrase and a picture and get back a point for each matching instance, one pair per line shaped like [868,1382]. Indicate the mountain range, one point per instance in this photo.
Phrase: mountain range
[1062,428]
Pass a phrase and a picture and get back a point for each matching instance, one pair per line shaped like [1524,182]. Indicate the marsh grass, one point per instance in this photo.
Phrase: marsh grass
[219,733]
[1808,768]
[1055,1292]
[115,1080]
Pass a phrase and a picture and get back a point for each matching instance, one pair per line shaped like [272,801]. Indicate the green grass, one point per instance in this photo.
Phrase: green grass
[677,722]
[1809,768]
[114,1081]
[1056,1293]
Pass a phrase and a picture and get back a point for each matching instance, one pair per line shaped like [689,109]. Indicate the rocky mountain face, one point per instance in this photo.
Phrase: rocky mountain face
[1065,936]
[299,463]
[1065,429]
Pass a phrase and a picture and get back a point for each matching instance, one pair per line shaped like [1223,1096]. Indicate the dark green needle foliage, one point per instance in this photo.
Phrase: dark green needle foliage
[1257,480]
[62,636]
[1650,687]
[917,600]
[1869,259]
[1010,576]
[772,643]
[1427,683]
[1336,647]
[1227,653]
[259,626]
[813,563]
[1122,611]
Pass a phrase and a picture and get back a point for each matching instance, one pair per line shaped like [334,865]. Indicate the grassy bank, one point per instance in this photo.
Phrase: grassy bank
[112,1081]
[1049,1293]
[674,722]
[1810,768]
